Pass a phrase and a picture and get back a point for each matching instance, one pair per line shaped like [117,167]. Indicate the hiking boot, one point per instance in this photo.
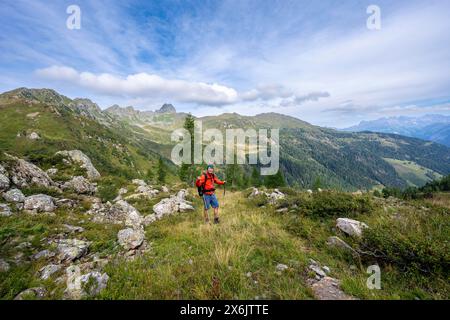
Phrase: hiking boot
[216,221]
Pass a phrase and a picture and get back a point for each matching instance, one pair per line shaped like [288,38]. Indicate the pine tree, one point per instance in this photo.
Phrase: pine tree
[255,178]
[187,170]
[149,175]
[317,184]
[162,171]
[275,181]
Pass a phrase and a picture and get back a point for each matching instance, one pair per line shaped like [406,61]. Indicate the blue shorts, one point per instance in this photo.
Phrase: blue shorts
[210,201]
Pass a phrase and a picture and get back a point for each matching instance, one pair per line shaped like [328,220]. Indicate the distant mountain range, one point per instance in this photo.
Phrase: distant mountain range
[128,142]
[431,127]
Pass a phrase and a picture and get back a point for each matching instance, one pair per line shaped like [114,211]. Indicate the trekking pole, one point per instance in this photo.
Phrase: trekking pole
[224,187]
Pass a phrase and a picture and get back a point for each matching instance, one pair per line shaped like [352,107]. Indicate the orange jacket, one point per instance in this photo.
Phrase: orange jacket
[209,185]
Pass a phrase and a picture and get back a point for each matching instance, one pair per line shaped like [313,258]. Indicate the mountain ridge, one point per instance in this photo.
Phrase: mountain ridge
[432,127]
[308,153]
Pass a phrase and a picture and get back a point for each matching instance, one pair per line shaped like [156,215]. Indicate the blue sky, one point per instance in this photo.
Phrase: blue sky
[315,60]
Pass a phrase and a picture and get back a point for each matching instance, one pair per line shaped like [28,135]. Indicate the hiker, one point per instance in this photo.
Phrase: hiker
[205,184]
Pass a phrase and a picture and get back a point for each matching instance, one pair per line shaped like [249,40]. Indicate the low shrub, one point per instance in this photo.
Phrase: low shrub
[326,204]
[416,240]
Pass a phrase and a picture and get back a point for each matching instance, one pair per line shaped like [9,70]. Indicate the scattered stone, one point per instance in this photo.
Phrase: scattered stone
[14,195]
[66,203]
[5,210]
[351,227]
[143,191]
[39,203]
[4,182]
[329,289]
[272,197]
[4,266]
[326,269]
[80,185]
[33,136]
[52,171]
[275,196]
[336,242]
[131,238]
[282,267]
[32,115]
[164,189]
[46,254]
[139,182]
[47,271]
[318,271]
[309,191]
[76,156]
[282,210]
[71,249]
[73,229]
[86,285]
[32,294]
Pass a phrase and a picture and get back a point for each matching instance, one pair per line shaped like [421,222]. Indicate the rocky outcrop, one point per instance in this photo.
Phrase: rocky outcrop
[84,285]
[4,182]
[76,156]
[319,271]
[119,213]
[71,249]
[131,215]
[143,192]
[328,288]
[39,203]
[14,196]
[52,172]
[5,210]
[23,174]
[351,227]
[172,205]
[80,185]
[44,254]
[32,294]
[47,271]
[272,197]
[130,238]
[139,182]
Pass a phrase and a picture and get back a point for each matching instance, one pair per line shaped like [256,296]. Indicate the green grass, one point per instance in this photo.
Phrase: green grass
[415,175]
[237,259]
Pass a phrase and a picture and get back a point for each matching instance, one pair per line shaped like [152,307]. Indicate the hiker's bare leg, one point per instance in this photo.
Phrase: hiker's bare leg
[206,215]
[216,212]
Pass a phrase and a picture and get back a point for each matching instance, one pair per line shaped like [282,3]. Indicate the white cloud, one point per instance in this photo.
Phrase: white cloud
[143,85]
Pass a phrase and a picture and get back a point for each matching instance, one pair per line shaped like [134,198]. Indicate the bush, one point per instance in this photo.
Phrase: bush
[331,204]
[415,240]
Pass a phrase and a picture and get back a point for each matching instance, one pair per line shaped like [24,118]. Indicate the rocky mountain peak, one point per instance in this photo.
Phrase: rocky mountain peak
[167,108]
[48,96]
